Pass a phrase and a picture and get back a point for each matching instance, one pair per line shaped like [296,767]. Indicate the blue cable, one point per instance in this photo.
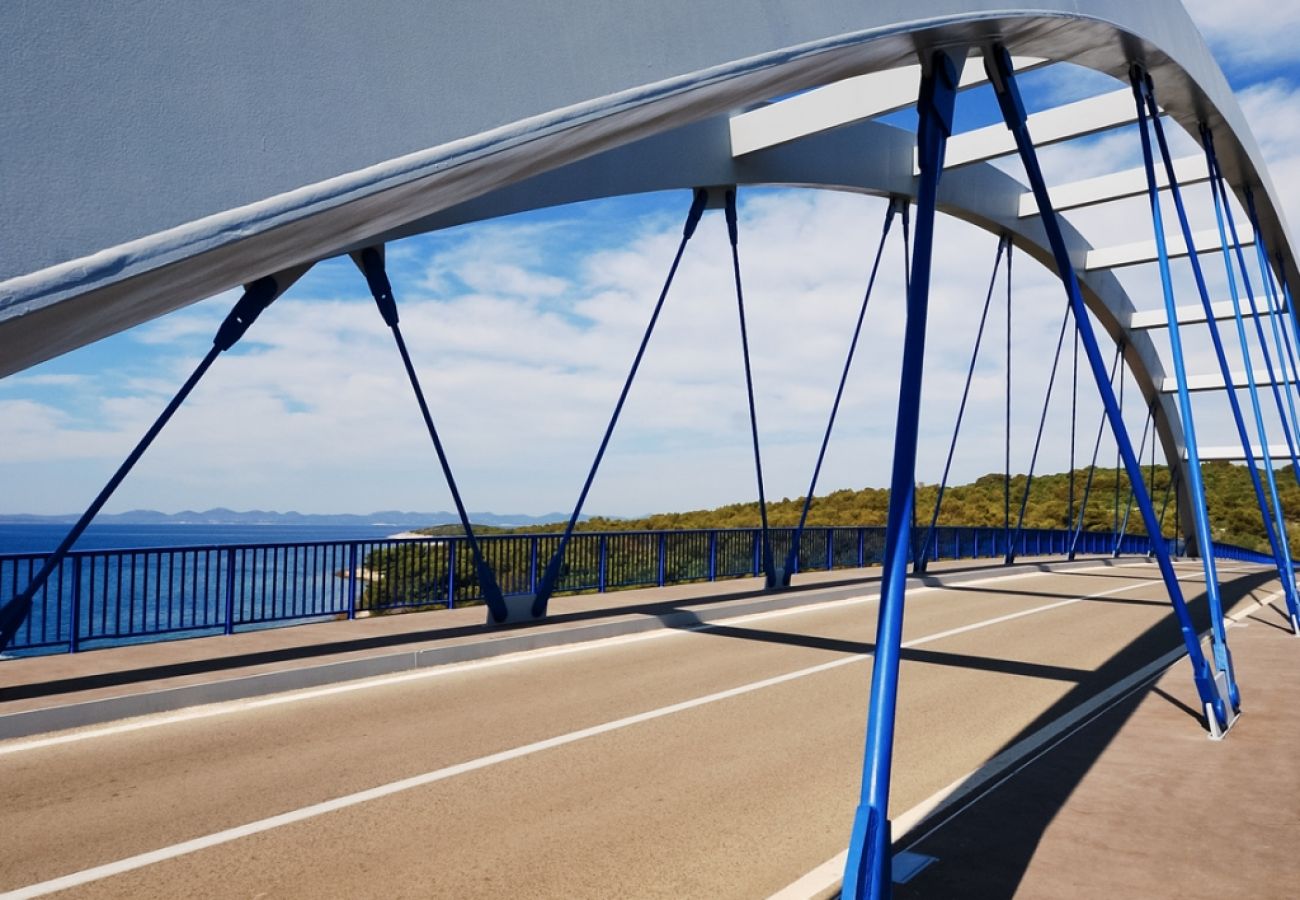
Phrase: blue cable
[1038,441]
[998,65]
[546,585]
[1074,415]
[1114,528]
[256,298]
[733,234]
[1270,299]
[1274,525]
[1092,468]
[1231,218]
[1006,446]
[792,558]
[923,556]
[1290,306]
[1277,311]
[1142,446]
[1144,95]
[372,266]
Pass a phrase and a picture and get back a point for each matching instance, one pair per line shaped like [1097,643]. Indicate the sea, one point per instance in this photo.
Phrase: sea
[44,537]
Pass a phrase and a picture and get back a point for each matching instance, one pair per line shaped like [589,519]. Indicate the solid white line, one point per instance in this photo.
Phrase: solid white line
[235,706]
[139,861]
[825,877]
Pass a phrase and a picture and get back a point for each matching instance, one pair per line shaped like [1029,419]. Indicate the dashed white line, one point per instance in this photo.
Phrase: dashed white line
[235,706]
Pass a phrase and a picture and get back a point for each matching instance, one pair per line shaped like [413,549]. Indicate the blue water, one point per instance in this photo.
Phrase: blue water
[44,538]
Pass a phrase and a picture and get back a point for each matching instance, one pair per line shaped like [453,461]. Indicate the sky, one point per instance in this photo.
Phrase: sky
[522,330]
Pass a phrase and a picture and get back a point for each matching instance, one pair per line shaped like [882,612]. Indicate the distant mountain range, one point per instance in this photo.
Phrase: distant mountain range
[220,516]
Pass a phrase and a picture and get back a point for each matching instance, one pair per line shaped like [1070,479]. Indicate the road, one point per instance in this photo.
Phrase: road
[721,762]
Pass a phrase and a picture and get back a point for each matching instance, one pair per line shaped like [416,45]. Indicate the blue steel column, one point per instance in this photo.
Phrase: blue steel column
[867,872]
[1271,302]
[1000,72]
[1146,103]
[1275,527]
[1290,308]
[1279,312]
[1259,327]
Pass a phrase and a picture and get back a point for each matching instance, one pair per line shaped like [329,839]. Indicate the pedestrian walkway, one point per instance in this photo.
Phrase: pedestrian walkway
[1138,802]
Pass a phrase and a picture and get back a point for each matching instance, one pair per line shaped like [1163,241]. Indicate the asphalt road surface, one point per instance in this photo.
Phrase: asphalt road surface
[715,763]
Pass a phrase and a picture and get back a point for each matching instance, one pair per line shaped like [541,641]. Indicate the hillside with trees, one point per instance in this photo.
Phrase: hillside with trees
[1234,516]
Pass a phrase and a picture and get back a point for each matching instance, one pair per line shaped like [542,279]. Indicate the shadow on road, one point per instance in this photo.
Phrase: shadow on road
[985,843]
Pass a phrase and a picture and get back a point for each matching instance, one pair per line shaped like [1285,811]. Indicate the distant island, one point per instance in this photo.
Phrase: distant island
[220,516]
[1234,514]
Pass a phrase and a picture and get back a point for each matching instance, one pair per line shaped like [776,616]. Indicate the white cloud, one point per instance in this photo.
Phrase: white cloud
[1251,34]
[313,411]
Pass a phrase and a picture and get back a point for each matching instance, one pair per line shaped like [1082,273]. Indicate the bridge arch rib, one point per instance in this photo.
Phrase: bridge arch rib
[307,163]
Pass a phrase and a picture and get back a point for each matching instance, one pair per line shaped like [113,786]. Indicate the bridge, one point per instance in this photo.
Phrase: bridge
[708,102]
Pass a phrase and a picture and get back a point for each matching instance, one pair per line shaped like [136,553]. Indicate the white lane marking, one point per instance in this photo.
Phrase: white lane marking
[183,848]
[234,706]
[827,876]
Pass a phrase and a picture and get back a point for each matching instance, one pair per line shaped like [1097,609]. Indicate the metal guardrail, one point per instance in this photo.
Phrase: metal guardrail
[1241,554]
[130,596]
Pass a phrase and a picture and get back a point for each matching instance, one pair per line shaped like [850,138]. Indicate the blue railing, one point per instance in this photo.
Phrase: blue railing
[129,596]
[1241,554]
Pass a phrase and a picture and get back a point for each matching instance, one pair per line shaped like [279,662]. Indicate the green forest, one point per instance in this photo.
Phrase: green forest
[428,575]
[1234,515]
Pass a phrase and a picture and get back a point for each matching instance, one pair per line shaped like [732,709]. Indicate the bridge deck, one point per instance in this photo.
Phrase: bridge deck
[716,762]
[65,690]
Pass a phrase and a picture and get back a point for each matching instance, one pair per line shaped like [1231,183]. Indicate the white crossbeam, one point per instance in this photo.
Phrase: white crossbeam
[1116,186]
[1214,382]
[842,103]
[1145,251]
[1234,454]
[1061,123]
[1147,319]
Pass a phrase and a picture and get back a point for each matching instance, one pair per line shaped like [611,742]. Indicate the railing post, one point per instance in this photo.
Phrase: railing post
[830,549]
[663,558]
[601,566]
[713,555]
[862,548]
[230,591]
[74,631]
[451,573]
[532,565]
[352,580]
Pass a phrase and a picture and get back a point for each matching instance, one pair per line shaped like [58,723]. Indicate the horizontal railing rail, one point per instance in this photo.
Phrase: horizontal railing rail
[100,598]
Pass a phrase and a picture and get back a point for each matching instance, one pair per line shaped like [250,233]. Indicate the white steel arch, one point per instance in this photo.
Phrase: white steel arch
[504,120]
[149,164]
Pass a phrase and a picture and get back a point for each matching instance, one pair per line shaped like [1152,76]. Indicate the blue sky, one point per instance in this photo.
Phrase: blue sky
[522,330]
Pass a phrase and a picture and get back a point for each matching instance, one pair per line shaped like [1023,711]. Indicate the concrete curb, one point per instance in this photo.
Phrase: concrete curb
[109,709]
